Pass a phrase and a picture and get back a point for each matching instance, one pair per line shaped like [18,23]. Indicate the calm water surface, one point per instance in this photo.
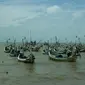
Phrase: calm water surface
[43,72]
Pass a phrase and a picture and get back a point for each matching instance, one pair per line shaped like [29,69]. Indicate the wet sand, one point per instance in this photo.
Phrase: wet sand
[42,72]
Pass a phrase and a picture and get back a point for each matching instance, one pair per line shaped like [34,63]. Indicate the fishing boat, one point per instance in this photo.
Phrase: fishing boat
[29,59]
[6,50]
[45,51]
[82,50]
[13,52]
[61,57]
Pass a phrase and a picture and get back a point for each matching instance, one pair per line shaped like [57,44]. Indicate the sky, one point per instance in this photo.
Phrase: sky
[44,18]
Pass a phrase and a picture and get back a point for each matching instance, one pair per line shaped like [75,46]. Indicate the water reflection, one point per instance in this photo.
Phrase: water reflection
[30,67]
[73,66]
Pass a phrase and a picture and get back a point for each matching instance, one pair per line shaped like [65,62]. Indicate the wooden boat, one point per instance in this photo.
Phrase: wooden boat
[35,49]
[45,52]
[14,53]
[6,50]
[62,58]
[23,59]
[29,59]
[82,50]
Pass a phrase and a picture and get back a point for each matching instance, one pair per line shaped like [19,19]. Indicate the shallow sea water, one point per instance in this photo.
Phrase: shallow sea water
[42,72]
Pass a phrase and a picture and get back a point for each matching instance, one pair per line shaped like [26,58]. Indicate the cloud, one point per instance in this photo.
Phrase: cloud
[53,9]
[45,21]
[12,15]
[78,14]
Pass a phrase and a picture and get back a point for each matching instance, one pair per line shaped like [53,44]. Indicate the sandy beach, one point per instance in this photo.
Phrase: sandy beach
[42,72]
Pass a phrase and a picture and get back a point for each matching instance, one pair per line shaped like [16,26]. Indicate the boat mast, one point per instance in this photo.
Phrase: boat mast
[30,36]
[30,42]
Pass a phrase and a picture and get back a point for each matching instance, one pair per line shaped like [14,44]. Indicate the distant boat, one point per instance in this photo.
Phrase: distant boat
[6,49]
[82,50]
[62,58]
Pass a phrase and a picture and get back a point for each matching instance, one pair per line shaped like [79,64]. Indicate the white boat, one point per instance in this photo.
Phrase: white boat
[23,59]
[64,58]
[29,59]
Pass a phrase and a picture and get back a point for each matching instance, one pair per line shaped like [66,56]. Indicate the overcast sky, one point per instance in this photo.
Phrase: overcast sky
[45,19]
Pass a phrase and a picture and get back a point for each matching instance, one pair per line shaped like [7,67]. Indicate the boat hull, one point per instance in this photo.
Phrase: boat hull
[58,59]
[12,55]
[64,59]
[6,51]
[25,60]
